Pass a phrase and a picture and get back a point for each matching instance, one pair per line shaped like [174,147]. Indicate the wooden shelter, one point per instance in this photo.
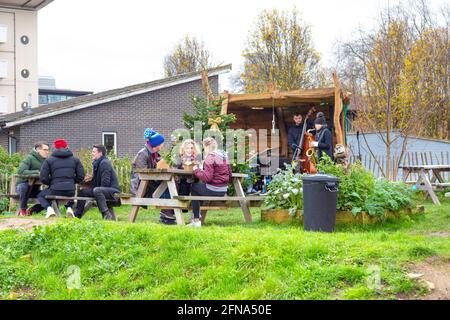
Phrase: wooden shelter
[256,111]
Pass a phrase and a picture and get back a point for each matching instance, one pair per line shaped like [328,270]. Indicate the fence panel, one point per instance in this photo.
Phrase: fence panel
[410,158]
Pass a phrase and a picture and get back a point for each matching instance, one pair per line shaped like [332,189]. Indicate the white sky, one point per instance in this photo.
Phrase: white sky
[98,45]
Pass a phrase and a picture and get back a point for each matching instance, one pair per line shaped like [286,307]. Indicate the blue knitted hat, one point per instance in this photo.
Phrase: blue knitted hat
[153,137]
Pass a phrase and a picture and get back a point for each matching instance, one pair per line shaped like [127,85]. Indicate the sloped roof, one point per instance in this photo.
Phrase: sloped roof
[18,118]
[25,4]
[281,99]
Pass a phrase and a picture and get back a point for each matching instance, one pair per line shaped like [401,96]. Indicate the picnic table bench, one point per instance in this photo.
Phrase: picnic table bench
[56,201]
[167,177]
[423,182]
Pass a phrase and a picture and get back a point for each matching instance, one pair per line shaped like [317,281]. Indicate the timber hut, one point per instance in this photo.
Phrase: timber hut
[257,111]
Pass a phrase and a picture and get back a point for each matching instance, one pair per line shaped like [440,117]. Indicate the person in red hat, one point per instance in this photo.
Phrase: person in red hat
[61,172]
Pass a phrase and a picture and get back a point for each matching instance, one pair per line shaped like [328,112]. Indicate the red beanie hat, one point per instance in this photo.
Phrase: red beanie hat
[60,144]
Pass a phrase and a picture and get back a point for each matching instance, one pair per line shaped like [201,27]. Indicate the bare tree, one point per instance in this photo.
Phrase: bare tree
[189,55]
[390,79]
[280,51]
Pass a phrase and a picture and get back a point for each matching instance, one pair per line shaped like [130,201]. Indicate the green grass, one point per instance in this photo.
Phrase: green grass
[227,259]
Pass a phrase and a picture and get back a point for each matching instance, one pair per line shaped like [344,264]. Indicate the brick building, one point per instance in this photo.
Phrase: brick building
[115,118]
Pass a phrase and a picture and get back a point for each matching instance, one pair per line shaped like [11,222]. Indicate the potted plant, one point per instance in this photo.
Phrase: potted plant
[284,198]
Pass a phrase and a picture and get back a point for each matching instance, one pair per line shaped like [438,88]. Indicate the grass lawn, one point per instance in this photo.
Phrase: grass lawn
[226,259]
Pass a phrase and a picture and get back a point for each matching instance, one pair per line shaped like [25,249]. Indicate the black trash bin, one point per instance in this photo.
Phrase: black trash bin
[319,202]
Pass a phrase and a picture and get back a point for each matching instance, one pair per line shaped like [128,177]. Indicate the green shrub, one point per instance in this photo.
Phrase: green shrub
[9,163]
[360,191]
[285,191]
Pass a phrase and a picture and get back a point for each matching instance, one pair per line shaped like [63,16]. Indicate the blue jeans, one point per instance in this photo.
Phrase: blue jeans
[24,192]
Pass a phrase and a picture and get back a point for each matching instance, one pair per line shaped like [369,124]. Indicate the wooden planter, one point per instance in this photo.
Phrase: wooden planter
[343,217]
[278,215]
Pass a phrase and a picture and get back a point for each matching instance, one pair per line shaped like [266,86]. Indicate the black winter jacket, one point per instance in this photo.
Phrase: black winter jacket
[295,133]
[62,171]
[104,175]
[323,137]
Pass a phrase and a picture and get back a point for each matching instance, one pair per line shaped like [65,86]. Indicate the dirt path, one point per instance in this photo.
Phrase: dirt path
[433,273]
[22,223]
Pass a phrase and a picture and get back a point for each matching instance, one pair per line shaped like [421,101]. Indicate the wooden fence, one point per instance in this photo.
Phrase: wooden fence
[410,158]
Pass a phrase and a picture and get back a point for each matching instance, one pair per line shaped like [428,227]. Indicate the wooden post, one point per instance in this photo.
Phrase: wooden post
[174,193]
[283,132]
[243,204]
[143,185]
[225,103]
[428,187]
[12,190]
[338,109]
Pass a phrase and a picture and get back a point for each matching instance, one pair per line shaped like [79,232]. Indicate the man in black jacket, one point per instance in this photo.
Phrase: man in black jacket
[295,132]
[60,172]
[324,142]
[104,184]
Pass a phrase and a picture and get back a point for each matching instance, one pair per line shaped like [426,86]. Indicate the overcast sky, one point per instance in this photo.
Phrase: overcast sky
[98,45]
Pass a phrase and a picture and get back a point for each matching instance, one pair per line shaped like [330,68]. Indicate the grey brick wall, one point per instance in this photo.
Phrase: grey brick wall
[161,110]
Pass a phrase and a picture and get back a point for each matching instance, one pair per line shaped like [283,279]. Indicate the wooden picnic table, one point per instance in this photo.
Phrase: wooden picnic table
[168,181]
[428,185]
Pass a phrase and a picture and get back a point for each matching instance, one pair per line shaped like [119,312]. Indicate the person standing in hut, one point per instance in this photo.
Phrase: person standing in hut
[324,142]
[295,132]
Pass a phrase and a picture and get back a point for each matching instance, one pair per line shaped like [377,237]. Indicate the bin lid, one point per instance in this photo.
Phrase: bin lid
[320,178]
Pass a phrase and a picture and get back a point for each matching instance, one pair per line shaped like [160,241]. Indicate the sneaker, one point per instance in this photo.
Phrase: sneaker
[192,216]
[195,224]
[30,211]
[50,213]
[70,214]
[108,215]
[23,213]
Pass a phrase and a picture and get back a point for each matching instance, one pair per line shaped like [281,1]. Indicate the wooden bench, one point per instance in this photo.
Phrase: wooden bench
[56,201]
[220,203]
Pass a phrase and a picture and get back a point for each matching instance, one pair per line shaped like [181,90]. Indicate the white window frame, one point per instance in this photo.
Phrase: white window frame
[3,33]
[10,144]
[3,69]
[3,104]
[115,139]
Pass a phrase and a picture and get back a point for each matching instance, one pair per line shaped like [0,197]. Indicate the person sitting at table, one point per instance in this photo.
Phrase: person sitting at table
[104,184]
[60,172]
[214,177]
[30,166]
[148,158]
[189,155]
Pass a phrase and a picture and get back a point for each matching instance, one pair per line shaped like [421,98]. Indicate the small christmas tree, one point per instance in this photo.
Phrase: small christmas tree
[208,113]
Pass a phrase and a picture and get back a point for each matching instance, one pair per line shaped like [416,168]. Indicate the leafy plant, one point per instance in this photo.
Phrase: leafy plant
[285,191]
[9,163]
[359,191]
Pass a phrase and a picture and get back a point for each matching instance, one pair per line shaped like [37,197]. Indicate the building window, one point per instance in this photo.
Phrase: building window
[43,99]
[12,145]
[110,142]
